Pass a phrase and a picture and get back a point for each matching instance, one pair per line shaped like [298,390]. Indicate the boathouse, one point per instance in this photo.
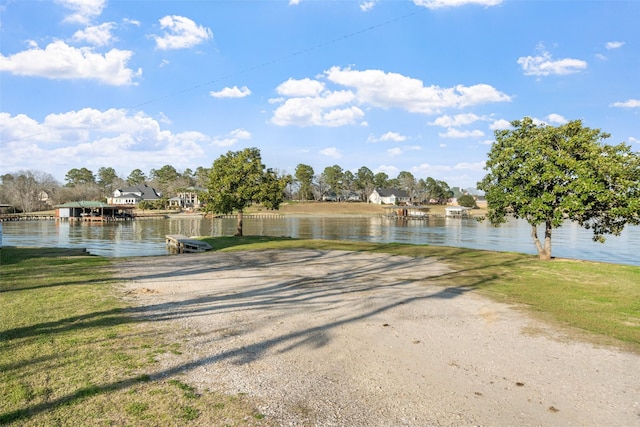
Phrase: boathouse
[457,212]
[408,211]
[92,211]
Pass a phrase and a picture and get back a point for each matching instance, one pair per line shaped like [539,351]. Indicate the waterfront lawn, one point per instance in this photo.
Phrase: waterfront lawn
[592,301]
[72,353]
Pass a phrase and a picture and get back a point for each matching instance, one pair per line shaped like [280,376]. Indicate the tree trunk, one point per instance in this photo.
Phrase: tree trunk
[239,228]
[547,239]
[544,252]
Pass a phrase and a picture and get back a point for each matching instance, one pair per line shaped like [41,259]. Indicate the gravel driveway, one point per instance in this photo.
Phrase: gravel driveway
[333,338]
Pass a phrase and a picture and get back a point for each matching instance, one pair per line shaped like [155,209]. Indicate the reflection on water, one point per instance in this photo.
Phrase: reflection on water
[146,237]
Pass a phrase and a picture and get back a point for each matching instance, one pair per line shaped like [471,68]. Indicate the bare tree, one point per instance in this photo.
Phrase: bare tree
[29,189]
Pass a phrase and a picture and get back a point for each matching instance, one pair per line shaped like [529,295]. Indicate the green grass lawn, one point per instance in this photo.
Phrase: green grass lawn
[72,353]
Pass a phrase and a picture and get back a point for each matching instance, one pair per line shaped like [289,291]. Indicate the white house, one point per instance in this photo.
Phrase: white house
[134,195]
[188,198]
[389,196]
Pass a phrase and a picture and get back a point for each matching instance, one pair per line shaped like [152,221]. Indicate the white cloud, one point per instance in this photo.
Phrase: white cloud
[501,124]
[630,103]
[231,138]
[94,138]
[83,10]
[97,35]
[389,136]
[302,87]
[392,171]
[241,134]
[474,166]
[426,169]
[455,121]
[392,90]
[367,5]
[180,33]
[231,92]
[633,140]
[330,109]
[19,127]
[310,103]
[455,133]
[393,136]
[294,2]
[332,152]
[61,61]
[130,21]
[396,151]
[614,45]
[556,118]
[437,4]
[544,65]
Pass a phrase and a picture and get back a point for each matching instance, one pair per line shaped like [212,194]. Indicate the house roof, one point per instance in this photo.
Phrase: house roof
[388,192]
[146,192]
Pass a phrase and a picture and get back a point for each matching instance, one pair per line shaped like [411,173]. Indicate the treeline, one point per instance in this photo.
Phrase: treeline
[34,190]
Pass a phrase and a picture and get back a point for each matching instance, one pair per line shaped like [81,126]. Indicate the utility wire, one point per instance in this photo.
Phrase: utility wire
[257,66]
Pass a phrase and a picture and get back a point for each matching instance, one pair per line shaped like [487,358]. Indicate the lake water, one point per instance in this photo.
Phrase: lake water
[147,236]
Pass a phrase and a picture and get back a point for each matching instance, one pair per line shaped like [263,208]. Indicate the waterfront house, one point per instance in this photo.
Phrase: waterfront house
[187,198]
[389,196]
[134,195]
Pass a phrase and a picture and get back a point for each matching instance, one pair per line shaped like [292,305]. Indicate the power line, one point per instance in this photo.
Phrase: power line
[258,66]
[280,59]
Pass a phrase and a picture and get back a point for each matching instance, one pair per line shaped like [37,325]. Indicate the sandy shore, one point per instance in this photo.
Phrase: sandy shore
[337,338]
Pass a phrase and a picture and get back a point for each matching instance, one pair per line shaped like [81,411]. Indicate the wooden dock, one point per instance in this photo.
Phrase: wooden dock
[183,244]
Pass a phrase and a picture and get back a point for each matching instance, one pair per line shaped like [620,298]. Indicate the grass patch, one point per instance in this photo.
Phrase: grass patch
[72,353]
[600,300]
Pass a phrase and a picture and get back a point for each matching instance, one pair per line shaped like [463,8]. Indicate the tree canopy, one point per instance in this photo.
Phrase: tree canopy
[107,178]
[333,177]
[238,179]
[79,176]
[467,200]
[548,175]
[304,179]
[136,177]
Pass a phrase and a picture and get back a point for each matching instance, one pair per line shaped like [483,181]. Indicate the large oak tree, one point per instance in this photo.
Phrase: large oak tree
[238,179]
[548,175]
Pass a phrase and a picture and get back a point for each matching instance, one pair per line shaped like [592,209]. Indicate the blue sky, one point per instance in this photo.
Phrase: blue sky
[394,85]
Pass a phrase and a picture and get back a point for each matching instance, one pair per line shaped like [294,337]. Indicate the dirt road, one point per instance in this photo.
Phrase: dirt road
[337,338]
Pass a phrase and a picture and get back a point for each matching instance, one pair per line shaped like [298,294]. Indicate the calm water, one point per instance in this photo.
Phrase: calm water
[146,237]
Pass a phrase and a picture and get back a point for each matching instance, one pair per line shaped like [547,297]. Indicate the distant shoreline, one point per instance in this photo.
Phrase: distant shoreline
[344,208]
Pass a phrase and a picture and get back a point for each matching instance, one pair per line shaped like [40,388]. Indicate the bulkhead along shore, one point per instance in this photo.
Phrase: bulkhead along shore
[347,338]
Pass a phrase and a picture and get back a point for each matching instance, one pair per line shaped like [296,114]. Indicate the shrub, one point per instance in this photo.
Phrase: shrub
[467,201]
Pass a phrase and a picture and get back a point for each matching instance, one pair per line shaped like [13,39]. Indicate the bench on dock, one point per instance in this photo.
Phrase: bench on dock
[183,244]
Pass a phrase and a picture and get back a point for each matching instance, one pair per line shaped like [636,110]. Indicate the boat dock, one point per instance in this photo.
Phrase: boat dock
[183,244]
